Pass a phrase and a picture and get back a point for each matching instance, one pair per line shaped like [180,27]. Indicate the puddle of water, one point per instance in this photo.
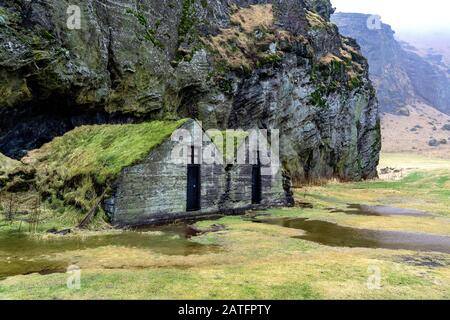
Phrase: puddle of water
[20,254]
[365,210]
[430,261]
[41,266]
[304,205]
[170,240]
[334,235]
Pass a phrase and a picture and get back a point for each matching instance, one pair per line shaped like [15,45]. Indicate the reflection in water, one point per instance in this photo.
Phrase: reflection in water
[365,210]
[20,254]
[334,235]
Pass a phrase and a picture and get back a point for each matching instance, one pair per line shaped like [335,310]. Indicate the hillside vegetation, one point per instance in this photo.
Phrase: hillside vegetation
[251,260]
[76,169]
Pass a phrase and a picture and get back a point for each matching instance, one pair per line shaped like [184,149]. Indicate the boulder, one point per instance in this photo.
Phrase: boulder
[403,111]
[434,143]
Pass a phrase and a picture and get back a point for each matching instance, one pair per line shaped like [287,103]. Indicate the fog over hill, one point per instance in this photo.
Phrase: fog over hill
[412,81]
[402,73]
[429,42]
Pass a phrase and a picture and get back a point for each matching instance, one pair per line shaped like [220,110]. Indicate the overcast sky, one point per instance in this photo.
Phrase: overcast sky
[403,15]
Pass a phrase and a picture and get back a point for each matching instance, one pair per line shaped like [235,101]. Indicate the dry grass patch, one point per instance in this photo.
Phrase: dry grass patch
[78,166]
[330,58]
[246,43]
[316,21]
[411,135]
[254,17]
[7,164]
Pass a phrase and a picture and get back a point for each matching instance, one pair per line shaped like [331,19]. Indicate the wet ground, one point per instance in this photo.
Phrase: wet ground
[366,210]
[334,235]
[425,260]
[21,254]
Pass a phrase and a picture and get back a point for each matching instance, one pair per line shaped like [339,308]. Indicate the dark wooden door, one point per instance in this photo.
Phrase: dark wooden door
[193,188]
[256,185]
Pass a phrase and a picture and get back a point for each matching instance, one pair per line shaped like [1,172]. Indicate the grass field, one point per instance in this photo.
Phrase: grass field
[262,261]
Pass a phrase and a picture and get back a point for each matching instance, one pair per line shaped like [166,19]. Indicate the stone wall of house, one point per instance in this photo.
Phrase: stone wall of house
[155,191]
[276,189]
[213,180]
[273,192]
[239,188]
[149,191]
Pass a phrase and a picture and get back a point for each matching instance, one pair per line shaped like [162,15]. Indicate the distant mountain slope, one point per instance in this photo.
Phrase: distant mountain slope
[437,56]
[400,74]
[430,42]
[426,131]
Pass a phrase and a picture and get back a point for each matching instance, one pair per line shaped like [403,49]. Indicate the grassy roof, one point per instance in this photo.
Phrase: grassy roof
[7,164]
[89,157]
[219,138]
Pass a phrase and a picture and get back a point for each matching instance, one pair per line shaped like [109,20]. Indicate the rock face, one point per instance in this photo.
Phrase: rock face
[240,63]
[400,75]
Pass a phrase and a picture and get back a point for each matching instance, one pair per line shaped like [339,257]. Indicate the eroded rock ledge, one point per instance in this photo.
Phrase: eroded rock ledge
[240,63]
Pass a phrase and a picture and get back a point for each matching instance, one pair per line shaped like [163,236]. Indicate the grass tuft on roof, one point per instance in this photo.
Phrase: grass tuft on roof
[7,164]
[80,165]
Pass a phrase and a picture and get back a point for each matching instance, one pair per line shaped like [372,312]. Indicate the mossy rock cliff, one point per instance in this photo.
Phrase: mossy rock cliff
[230,64]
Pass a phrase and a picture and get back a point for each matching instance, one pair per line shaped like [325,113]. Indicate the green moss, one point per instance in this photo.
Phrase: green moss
[220,139]
[273,58]
[149,32]
[313,74]
[188,20]
[355,83]
[337,68]
[46,34]
[7,165]
[317,98]
[80,165]
[187,33]
[8,18]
